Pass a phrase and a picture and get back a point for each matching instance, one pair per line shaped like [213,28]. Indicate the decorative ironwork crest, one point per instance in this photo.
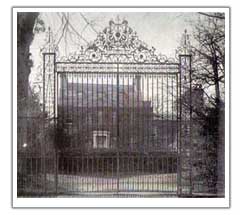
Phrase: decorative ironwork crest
[117,43]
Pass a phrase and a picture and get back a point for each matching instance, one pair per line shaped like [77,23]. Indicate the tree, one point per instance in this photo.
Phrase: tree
[25,35]
[208,52]
[209,56]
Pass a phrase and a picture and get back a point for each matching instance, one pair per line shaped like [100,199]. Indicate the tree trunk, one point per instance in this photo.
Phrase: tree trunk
[25,35]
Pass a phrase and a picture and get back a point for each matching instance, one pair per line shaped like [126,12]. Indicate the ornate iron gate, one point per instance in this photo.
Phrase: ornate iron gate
[120,124]
[117,120]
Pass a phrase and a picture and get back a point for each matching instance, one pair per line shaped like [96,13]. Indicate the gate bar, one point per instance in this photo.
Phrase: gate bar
[117,127]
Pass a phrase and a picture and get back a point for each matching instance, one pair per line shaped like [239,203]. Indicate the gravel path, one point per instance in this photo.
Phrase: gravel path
[144,183]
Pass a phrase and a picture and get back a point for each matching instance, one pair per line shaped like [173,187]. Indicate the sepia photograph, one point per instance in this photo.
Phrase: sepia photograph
[121,103]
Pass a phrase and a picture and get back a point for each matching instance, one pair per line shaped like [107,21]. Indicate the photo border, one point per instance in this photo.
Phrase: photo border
[124,202]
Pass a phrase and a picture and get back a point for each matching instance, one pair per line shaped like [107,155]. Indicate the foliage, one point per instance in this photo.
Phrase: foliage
[39,26]
[61,138]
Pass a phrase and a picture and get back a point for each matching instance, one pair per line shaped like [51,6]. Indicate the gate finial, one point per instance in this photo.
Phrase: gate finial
[185,45]
[50,46]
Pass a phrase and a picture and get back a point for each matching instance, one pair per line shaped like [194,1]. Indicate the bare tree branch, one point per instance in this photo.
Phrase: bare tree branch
[212,16]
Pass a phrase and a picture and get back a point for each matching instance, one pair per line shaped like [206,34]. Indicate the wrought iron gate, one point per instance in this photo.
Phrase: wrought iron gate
[116,119]
[120,124]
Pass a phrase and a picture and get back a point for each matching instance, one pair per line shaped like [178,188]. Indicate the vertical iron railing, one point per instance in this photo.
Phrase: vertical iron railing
[117,120]
[55,113]
[44,135]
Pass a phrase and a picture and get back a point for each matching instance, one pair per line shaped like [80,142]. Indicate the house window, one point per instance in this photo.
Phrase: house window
[101,139]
